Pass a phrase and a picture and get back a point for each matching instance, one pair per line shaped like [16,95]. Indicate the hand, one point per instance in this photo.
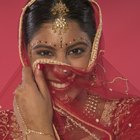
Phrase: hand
[33,100]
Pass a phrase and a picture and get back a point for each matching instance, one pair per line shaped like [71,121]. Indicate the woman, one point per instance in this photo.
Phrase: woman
[68,89]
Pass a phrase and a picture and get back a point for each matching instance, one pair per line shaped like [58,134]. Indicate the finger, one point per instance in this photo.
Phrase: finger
[27,77]
[28,80]
[41,82]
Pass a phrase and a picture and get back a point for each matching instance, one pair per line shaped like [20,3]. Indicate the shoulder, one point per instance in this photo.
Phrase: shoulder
[8,125]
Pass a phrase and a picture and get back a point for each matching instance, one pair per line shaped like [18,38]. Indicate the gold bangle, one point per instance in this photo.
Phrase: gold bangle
[29,131]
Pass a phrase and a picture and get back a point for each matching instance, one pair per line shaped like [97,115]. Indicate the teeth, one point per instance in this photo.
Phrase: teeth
[58,85]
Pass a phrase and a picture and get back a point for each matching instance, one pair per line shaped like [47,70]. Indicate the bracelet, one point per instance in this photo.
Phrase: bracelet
[29,131]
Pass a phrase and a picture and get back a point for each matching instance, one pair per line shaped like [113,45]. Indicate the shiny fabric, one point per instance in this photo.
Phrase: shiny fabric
[110,104]
[119,121]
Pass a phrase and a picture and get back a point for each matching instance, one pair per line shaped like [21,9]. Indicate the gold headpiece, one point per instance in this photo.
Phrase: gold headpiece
[60,25]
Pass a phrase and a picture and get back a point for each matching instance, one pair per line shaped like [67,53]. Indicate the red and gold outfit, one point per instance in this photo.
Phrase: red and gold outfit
[119,120]
[110,111]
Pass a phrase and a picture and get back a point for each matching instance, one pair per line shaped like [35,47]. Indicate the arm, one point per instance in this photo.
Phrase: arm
[32,106]
[39,137]
[35,135]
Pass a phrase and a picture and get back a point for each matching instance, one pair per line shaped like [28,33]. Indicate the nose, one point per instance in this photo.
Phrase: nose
[62,58]
[62,73]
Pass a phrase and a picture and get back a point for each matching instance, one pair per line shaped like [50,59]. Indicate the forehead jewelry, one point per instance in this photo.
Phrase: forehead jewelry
[60,24]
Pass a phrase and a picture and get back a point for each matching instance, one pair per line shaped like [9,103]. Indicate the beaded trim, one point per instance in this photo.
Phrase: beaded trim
[76,123]
[84,122]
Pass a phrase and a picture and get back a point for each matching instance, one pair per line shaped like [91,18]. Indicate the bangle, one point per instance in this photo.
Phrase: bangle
[29,131]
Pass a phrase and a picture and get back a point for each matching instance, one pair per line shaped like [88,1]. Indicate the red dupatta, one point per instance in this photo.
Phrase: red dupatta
[99,79]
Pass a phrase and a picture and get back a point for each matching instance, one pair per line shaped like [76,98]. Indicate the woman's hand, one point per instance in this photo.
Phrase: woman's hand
[33,103]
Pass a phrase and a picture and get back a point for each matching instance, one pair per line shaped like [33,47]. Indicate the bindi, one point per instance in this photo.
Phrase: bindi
[62,44]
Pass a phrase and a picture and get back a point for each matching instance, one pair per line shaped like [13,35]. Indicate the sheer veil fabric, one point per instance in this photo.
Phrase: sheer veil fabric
[104,85]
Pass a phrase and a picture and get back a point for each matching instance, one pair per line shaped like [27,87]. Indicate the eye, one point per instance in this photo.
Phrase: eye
[76,51]
[46,53]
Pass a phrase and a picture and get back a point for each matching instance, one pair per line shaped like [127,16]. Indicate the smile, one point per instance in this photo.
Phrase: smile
[59,85]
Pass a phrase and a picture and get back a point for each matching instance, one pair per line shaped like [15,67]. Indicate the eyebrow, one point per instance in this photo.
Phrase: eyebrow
[52,48]
[43,46]
[78,43]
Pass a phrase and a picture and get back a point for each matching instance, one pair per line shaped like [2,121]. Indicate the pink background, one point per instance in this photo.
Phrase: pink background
[121,32]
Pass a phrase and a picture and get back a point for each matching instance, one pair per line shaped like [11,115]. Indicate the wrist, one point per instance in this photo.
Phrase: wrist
[39,137]
[35,135]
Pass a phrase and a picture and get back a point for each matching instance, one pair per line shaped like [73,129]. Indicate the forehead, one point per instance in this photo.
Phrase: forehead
[46,33]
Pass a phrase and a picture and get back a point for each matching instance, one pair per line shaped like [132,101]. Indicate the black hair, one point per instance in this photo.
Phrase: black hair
[39,13]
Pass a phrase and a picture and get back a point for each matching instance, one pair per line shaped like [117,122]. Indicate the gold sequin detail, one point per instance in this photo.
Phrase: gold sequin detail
[77,124]
[122,111]
[107,114]
[9,128]
[90,106]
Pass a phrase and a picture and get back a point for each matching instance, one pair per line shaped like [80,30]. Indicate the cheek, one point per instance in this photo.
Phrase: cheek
[80,63]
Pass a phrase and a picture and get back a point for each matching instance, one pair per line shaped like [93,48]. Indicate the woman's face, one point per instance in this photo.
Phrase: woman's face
[73,47]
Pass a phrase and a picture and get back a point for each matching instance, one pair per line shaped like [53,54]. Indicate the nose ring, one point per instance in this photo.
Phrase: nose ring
[65,71]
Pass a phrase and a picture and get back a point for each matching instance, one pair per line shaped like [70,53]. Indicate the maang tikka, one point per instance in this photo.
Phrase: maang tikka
[60,24]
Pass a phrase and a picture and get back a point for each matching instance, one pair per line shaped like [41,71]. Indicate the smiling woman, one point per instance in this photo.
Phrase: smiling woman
[74,48]
[68,89]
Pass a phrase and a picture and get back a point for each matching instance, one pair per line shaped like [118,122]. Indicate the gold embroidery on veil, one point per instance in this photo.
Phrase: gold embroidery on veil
[8,122]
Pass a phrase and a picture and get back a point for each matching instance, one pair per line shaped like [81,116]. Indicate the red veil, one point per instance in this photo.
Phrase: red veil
[99,80]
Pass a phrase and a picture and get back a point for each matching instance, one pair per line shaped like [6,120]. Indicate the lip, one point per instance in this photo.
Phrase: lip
[59,85]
